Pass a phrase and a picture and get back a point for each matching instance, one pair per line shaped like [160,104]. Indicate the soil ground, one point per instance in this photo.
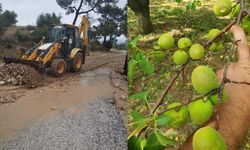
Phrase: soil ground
[100,80]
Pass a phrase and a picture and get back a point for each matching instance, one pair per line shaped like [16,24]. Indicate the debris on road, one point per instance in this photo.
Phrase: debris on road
[119,81]
[19,74]
[9,97]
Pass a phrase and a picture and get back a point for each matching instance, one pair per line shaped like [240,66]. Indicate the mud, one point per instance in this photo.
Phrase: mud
[97,80]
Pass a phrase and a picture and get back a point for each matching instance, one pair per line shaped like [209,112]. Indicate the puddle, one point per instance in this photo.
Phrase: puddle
[92,77]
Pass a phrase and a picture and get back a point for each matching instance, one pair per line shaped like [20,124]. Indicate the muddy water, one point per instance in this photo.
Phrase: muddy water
[48,101]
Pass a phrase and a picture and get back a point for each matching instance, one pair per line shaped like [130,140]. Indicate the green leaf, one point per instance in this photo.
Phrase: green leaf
[136,143]
[191,5]
[138,119]
[164,140]
[157,141]
[136,115]
[133,43]
[145,66]
[138,56]
[178,1]
[162,120]
[131,69]
[142,95]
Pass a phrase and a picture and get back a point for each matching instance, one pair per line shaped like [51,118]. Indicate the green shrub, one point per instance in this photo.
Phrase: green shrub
[22,36]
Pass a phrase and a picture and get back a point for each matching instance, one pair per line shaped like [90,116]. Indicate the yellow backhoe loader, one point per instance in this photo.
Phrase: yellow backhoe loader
[61,50]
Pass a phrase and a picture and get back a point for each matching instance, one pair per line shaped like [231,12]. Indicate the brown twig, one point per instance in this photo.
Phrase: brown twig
[168,87]
[214,91]
[225,79]
[242,9]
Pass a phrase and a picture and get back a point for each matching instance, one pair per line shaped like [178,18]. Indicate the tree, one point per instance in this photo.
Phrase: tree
[7,19]
[112,24]
[44,22]
[142,13]
[123,24]
[77,6]
[48,20]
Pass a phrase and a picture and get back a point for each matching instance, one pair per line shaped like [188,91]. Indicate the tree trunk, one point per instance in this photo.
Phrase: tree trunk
[75,19]
[77,12]
[142,13]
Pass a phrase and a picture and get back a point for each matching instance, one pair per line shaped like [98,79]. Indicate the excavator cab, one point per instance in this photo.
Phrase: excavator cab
[62,50]
[68,36]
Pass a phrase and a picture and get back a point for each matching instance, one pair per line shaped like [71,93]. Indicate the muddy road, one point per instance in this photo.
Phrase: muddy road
[83,110]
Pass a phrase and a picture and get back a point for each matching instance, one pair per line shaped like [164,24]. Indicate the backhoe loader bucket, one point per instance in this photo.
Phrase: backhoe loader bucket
[34,64]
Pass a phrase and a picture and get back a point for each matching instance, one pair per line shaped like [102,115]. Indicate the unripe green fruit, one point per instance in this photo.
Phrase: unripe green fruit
[166,41]
[219,47]
[184,43]
[208,138]
[214,98]
[235,10]
[222,7]
[180,57]
[216,47]
[177,118]
[213,47]
[157,48]
[200,111]
[213,33]
[196,51]
[159,55]
[204,79]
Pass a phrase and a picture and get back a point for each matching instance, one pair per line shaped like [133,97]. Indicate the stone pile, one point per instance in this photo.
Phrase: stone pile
[19,74]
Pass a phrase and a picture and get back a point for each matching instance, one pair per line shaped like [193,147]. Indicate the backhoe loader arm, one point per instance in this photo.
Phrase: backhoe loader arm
[83,29]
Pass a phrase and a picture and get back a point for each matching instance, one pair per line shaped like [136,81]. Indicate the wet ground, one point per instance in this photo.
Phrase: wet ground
[80,105]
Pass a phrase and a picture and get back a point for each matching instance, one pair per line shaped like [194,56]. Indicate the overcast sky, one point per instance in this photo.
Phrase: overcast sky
[28,10]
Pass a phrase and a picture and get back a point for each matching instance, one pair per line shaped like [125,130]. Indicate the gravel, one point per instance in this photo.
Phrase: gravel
[99,127]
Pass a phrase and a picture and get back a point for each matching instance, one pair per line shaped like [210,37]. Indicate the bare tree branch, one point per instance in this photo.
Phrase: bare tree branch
[84,12]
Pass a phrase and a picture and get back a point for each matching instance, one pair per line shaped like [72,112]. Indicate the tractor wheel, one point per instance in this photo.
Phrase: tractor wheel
[58,67]
[77,62]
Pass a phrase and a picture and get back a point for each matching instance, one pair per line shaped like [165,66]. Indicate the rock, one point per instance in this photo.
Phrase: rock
[14,95]
[1,99]
[116,85]
[2,82]
[19,74]
[14,81]
[123,97]
[53,108]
